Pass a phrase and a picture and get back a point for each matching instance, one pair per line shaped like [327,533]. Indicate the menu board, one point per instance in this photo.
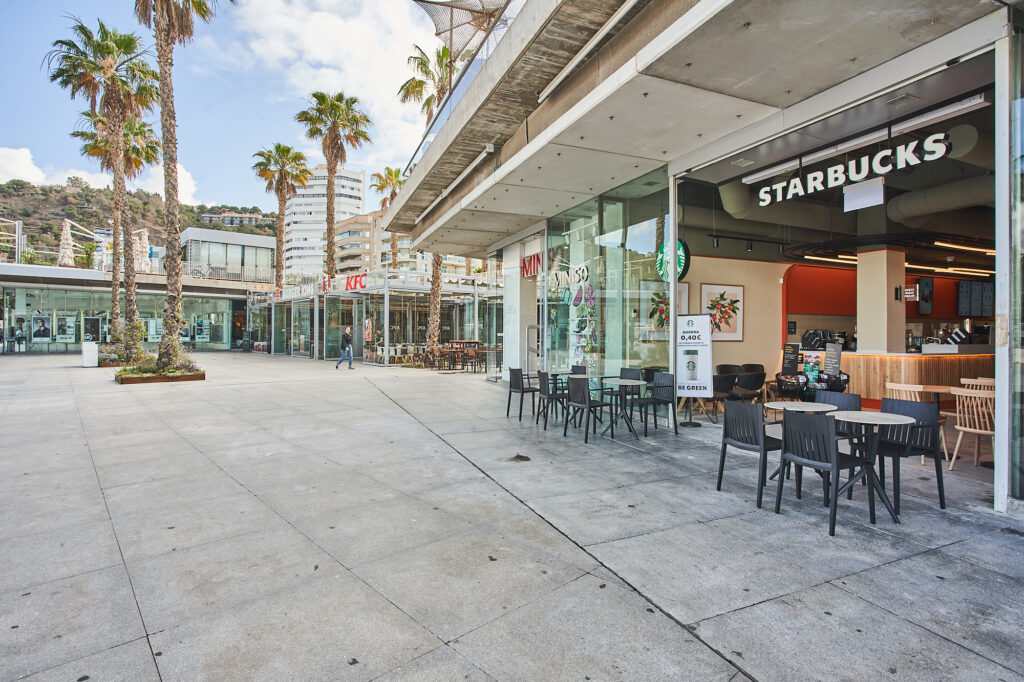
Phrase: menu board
[790,359]
[833,359]
[976,296]
[988,299]
[963,299]
[693,356]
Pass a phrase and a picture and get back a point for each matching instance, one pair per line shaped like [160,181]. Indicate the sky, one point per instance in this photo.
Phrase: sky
[237,87]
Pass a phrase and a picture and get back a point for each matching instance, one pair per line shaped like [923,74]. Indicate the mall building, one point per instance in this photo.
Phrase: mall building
[844,171]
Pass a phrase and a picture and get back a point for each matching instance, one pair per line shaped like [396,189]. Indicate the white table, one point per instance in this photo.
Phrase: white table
[871,422]
[800,406]
[623,384]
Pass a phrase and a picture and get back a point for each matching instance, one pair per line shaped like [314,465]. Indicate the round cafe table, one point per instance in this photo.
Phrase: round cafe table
[871,422]
[623,414]
[800,406]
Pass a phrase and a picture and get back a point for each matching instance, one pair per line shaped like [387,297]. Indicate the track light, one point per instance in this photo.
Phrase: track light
[782,248]
[750,246]
[714,242]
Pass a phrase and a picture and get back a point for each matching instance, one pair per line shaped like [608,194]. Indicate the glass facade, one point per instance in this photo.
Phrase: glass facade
[1016,292]
[302,328]
[340,313]
[605,305]
[282,324]
[49,320]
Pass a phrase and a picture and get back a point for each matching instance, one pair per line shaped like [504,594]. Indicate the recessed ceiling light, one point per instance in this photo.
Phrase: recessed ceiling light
[901,100]
[742,163]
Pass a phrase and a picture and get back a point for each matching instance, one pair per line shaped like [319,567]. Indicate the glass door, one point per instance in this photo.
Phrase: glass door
[302,329]
[282,328]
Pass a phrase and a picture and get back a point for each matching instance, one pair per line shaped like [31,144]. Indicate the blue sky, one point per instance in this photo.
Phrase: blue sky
[237,88]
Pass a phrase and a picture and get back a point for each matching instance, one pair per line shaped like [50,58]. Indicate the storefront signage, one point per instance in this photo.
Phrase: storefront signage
[565,278]
[910,293]
[833,359]
[530,266]
[299,291]
[682,255]
[791,359]
[355,282]
[880,163]
[693,356]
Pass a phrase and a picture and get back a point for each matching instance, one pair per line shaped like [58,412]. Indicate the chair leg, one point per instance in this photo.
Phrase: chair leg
[941,484]
[956,449]
[942,439]
[533,403]
[896,484]
[536,419]
[778,491]
[825,489]
[849,491]
[762,471]
[977,448]
[799,482]
[508,408]
[644,412]
[721,468]
[565,426]
[586,424]
[834,476]
[521,396]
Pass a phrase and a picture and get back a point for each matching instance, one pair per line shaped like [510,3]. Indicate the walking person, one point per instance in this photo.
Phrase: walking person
[346,348]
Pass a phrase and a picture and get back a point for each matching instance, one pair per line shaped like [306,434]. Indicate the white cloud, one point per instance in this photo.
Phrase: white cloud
[359,48]
[18,164]
[153,181]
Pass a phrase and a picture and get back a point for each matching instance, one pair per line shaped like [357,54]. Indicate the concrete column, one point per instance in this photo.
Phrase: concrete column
[511,257]
[881,312]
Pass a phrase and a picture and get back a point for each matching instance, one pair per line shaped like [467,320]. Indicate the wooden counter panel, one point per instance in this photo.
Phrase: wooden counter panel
[870,373]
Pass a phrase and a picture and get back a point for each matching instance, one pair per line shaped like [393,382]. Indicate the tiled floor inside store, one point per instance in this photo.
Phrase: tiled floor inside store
[284,520]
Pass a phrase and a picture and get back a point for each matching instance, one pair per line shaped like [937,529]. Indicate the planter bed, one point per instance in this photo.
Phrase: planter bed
[157,378]
[111,363]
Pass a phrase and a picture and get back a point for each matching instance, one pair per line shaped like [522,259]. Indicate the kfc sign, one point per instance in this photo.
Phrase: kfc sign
[355,282]
[530,265]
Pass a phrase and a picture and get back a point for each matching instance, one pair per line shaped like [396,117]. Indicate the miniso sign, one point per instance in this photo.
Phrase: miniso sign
[880,163]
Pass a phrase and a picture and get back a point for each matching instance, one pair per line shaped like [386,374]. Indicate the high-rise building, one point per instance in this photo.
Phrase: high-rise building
[305,217]
[363,245]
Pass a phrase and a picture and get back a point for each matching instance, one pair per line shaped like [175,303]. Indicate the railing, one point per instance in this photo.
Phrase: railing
[234,273]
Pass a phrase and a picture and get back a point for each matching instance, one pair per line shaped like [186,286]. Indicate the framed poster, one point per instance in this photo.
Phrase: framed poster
[202,331]
[724,303]
[185,333]
[154,330]
[66,328]
[693,356]
[42,332]
[682,299]
[91,329]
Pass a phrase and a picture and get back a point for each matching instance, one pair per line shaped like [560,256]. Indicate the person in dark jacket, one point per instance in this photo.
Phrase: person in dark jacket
[346,348]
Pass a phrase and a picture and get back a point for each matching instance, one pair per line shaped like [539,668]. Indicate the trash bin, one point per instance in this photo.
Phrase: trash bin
[90,354]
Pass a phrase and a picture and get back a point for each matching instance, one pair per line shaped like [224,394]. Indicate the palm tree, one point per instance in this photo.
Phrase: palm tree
[336,122]
[108,68]
[434,314]
[388,183]
[172,22]
[285,171]
[432,81]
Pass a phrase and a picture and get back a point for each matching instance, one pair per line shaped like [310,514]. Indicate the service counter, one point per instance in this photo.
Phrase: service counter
[870,373]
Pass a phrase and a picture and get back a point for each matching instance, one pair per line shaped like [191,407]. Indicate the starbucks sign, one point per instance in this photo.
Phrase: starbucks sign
[682,255]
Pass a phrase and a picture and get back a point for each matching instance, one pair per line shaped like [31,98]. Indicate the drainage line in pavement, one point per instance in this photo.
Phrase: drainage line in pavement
[558,530]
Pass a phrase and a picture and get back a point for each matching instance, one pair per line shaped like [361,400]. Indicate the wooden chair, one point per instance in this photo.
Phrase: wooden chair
[979,384]
[975,413]
[914,392]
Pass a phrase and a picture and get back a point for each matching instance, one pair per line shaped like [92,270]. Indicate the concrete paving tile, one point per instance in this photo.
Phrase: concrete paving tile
[697,495]
[965,602]
[317,493]
[27,515]
[537,482]
[332,627]
[694,574]
[150,496]
[59,553]
[118,451]
[459,583]
[65,620]
[602,515]
[72,481]
[926,524]
[443,664]
[177,528]
[360,535]
[417,474]
[178,586]
[182,463]
[535,531]
[132,661]
[479,501]
[589,628]
[788,637]
[1001,550]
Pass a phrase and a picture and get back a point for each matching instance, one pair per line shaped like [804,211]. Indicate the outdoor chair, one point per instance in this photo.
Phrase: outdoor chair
[915,393]
[752,368]
[809,440]
[662,393]
[744,430]
[979,384]
[975,413]
[728,369]
[909,440]
[517,384]
[721,390]
[549,398]
[583,405]
[632,392]
[748,387]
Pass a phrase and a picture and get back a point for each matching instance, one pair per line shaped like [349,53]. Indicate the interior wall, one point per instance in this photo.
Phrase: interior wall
[762,298]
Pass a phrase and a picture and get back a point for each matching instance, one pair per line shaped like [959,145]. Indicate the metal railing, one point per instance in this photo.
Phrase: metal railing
[229,273]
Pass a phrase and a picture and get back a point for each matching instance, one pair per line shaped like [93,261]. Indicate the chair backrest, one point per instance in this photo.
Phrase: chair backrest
[752,381]
[578,369]
[545,389]
[975,410]
[515,379]
[842,401]
[904,391]
[923,414]
[628,373]
[579,391]
[810,437]
[728,369]
[752,368]
[744,424]
[723,383]
[664,388]
[981,383]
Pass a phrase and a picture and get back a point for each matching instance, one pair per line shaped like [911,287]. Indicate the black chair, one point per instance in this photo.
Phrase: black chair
[910,440]
[549,397]
[809,440]
[854,433]
[721,389]
[633,393]
[748,387]
[728,369]
[788,386]
[581,403]
[752,369]
[744,430]
[662,393]
[516,384]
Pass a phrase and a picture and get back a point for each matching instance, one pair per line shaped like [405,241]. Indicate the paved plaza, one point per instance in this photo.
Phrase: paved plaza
[284,520]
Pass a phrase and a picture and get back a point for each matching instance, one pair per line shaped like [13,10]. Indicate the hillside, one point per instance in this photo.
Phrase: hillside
[42,209]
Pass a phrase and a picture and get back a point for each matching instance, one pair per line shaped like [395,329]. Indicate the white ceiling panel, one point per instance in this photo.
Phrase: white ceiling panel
[533,201]
[578,170]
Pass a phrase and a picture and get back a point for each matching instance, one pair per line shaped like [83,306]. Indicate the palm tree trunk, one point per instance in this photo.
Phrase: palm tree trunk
[332,168]
[469,265]
[394,250]
[170,344]
[279,251]
[131,311]
[434,315]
